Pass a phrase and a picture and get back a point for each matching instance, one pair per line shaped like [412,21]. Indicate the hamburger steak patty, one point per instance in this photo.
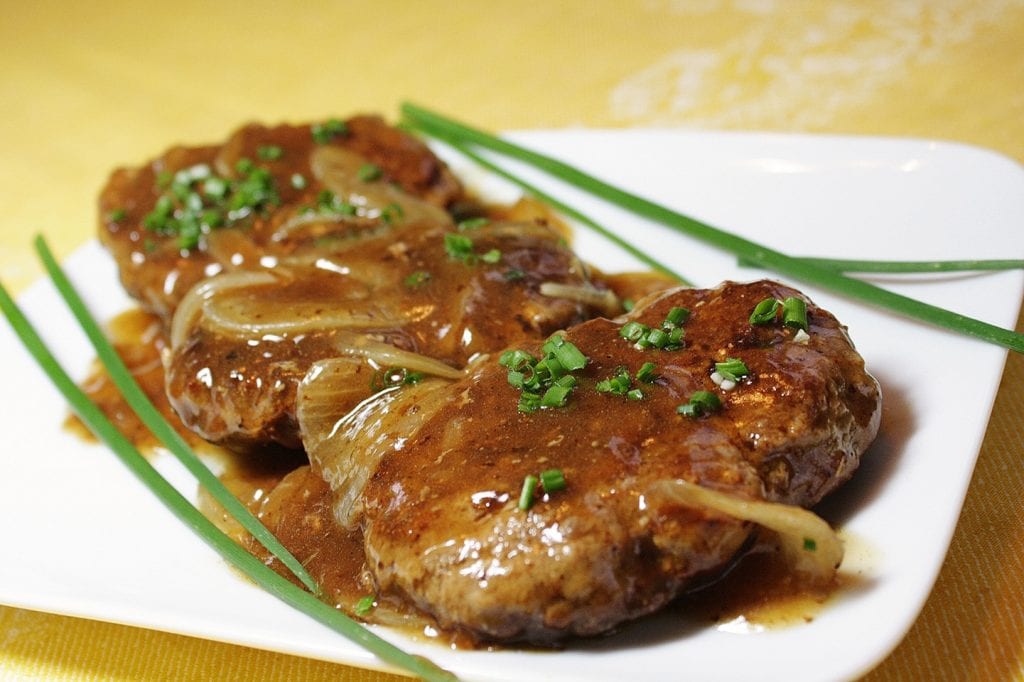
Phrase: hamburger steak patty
[439,512]
[247,189]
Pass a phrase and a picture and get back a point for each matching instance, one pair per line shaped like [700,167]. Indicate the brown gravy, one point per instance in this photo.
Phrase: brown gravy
[759,592]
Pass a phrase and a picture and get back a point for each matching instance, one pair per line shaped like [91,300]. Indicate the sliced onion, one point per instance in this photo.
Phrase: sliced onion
[191,305]
[247,316]
[233,249]
[810,545]
[386,355]
[361,228]
[338,169]
[603,299]
[346,445]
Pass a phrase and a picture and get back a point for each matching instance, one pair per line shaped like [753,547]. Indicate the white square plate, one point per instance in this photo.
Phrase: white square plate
[92,542]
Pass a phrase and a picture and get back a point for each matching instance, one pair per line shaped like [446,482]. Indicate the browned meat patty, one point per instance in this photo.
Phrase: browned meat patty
[239,353]
[196,211]
[444,467]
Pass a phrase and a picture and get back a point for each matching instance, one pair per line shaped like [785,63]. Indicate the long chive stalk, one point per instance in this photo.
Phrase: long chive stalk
[571,212]
[905,267]
[450,131]
[155,422]
[264,576]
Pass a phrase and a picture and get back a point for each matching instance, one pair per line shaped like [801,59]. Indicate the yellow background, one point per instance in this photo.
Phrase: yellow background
[88,86]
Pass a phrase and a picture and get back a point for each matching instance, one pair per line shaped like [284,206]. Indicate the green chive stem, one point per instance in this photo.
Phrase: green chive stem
[155,422]
[264,576]
[447,130]
[904,267]
[526,494]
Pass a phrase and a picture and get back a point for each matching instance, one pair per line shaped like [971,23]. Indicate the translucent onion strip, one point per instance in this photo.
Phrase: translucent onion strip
[385,355]
[809,543]
[233,249]
[191,305]
[346,446]
[603,299]
[250,317]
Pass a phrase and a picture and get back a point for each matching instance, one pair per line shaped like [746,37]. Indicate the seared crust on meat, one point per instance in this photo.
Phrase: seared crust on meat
[441,524]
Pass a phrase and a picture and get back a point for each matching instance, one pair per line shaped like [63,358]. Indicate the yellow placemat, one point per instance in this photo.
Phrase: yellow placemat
[85,87]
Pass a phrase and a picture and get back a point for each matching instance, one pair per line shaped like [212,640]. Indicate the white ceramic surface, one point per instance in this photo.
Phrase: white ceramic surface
[85,539]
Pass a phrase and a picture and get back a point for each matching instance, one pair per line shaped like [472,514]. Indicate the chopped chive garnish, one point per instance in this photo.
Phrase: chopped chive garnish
[635,394]
[492,256]
[117,215]
[216,188]
[472,224]
[527,492]
[514,275]
[364,605]
[657,338]
[701,403]
[369,172]
[618,384]
[270,152]
[677,316]
[810,545]
[329,202]
[515,359]
[245,562]
[552,480]
[417,279]
[298,181]
[794,313]
[555,396]
[196,201]
[325,132]
[461,136]
[392,213]
[732,369]
[458,247]
[548,382]
[646,373]
[669,337]
[394,376]
[244,166]
[764,312]
[529,402]
[568,354]
[632,331]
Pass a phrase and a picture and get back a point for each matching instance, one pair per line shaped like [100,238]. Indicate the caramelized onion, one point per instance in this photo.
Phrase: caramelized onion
[323,225]
[810,545]
[602,299]
[248,316]
[385,355]
[192,304]
[233,249]
[347,445]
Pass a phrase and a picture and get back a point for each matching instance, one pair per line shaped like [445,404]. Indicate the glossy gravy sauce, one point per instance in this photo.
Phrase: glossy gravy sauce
[759,591]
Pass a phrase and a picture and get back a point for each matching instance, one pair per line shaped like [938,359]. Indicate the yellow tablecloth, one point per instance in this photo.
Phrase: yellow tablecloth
[87,86]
